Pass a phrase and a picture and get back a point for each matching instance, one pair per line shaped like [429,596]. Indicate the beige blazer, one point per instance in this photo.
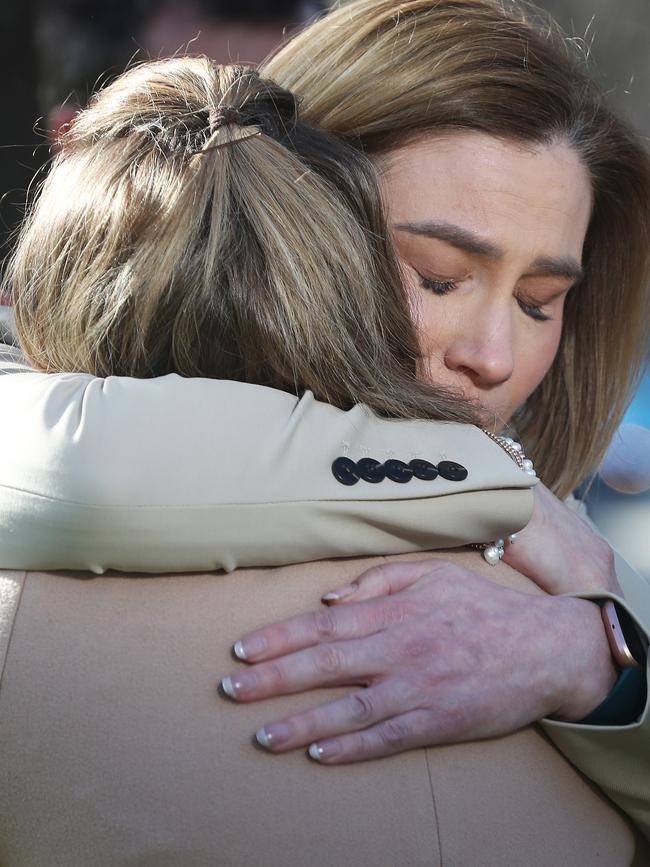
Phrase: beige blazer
[74,438]
[116,749]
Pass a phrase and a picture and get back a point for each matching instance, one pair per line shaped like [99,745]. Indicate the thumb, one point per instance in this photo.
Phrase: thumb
[383,580]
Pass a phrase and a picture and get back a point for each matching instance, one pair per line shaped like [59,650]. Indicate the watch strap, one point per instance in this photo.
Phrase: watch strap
[624,703]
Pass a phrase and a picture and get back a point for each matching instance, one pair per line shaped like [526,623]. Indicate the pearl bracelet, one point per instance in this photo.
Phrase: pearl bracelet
[494,551]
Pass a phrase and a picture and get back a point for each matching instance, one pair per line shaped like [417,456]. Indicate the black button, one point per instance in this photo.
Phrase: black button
[452,471]
[345,471]
[398,471]
[423,469]
[371,470]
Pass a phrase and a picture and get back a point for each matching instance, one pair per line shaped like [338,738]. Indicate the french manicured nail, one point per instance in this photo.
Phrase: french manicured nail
[273,735]
[228,687]
[239,650]
[342,593]
[238,685]
[263,739]
[324,750]
[244,649]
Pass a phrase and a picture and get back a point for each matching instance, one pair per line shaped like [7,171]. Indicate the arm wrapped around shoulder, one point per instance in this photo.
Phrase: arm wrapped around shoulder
[175,474]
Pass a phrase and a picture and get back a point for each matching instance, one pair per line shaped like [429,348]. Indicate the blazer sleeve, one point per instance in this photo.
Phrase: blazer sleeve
[174,474]
[616,758]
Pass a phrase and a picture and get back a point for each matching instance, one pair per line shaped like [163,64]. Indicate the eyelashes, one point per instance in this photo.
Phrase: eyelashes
[438,287]
[533,310]
[445,287]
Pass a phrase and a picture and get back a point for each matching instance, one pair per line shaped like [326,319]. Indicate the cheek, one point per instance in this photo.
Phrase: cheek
[432,330]
[536,356]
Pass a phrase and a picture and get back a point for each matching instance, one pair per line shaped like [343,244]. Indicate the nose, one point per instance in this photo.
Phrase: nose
[482,348]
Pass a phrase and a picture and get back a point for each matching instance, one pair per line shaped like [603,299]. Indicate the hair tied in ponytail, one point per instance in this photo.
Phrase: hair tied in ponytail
[230,118]
[225,115]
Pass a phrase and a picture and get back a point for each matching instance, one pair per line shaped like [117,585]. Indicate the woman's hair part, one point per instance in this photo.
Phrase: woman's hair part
[382,74]
[192,223]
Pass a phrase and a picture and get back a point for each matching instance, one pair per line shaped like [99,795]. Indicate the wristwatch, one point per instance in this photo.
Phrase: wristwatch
[627,698]
[624,641]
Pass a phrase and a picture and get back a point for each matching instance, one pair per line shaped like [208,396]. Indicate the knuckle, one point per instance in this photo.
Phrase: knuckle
[455,720]
[383,614]
[324,623]
[278,636]
[373,572]
[329,660]
[274,675]
[362,708]
[414,648]
[394,734]
[309,724]
[451,719]
[396,613]
[375,577]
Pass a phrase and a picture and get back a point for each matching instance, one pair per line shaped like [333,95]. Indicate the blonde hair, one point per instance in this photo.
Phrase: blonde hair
[192,223]
[380,73]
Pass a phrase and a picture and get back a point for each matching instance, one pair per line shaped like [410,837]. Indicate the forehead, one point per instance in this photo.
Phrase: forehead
[530,200]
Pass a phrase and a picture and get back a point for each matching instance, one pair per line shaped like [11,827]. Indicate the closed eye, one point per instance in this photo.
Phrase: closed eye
[533,310]
[438,287]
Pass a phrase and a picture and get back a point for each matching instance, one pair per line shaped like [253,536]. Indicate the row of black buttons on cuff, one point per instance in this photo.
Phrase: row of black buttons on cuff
[348,472]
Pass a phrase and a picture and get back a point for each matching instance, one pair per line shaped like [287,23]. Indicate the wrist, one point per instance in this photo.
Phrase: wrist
[592,672]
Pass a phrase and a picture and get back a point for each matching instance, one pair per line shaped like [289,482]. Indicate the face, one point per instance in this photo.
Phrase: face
[490,235]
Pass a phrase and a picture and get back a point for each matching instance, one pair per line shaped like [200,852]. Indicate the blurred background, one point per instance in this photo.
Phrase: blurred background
[55,52]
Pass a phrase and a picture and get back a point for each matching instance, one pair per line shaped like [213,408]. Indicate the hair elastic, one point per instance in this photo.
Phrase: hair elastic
[227,116]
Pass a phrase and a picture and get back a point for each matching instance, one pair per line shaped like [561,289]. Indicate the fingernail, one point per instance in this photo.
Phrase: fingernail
[263,739]
[228,687]
[237,686]
[239,650]
[273,735]
[342,593]
[246,648]
[324,750]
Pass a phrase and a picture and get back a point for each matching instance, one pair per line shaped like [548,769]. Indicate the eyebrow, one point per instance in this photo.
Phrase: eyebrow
[563,266]
[463,239]
[454,235]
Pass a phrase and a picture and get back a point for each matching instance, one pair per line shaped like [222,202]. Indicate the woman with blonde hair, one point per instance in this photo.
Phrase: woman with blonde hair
[577,622]
[482,123]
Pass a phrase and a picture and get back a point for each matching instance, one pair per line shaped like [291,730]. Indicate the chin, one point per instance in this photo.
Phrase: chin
[496,419]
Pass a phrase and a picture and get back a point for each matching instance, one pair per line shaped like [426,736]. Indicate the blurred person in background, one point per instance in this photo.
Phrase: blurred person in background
[84,42]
